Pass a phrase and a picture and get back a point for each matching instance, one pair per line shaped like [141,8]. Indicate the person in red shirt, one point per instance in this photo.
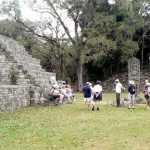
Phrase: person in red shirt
[146,93]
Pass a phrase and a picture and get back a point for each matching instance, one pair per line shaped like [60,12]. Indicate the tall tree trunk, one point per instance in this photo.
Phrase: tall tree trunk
[111,69]
[79,74]
[79,69]
[142,53]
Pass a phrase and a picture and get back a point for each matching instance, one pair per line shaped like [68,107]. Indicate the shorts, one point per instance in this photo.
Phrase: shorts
[131,96]
[148,99]
[87,99]
[97,98]
[146,96]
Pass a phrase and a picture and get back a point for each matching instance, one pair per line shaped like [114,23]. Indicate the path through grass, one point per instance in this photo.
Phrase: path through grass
[70,127]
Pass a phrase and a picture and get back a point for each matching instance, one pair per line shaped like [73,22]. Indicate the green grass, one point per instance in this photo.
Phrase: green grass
[70,127]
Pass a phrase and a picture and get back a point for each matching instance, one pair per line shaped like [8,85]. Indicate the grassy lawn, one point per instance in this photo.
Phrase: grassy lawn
[70,127]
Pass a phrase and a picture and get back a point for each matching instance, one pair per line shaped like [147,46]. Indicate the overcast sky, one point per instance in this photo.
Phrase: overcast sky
[27,13]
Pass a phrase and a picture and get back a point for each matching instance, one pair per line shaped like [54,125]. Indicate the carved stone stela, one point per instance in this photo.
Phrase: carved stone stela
[134,71]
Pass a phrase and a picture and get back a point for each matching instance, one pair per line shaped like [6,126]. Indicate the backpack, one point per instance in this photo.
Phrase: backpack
[132,89]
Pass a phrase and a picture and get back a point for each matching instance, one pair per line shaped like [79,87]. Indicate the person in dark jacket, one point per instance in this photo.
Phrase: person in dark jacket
[131,94]
[87,95]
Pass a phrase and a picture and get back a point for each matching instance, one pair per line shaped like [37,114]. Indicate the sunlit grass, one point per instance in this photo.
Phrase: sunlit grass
[70,127]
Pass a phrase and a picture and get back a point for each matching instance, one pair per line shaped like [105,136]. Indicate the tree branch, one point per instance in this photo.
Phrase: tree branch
[52,40]
[60,20]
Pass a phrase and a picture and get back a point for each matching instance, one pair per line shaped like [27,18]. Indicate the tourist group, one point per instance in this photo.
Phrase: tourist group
[93,95]
[60,90]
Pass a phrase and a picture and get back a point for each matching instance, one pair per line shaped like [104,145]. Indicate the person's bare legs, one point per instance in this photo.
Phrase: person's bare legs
[93,105]
[88,106]
[148,103]
[129,98]
[61,99]
[133,101]
[85,103]
[130,103]
[98,105]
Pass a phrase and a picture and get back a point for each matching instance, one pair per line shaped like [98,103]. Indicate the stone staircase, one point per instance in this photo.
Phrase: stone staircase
[28,68]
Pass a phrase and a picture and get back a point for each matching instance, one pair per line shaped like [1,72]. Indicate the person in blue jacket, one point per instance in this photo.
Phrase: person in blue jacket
[131,94]
[87,95]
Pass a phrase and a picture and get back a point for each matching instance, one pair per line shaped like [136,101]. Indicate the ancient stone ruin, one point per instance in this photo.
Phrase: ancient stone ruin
[134,71]
[134,74]
[23,82]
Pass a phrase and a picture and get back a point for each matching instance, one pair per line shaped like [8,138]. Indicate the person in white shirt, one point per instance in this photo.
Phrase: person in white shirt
[97,90]
[118,89]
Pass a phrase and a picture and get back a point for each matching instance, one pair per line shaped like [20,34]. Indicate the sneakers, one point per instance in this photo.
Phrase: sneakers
[97,109]
[132,107]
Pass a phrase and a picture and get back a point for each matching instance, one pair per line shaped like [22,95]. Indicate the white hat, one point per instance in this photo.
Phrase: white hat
[87,83]
[131,82]
[117,80]
[90,84]
[146,81]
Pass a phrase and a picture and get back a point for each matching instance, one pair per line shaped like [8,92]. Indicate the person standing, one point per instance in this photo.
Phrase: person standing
[147,93]
[69,93]
[87,95]
[97,90]
[131,94]
[118,89]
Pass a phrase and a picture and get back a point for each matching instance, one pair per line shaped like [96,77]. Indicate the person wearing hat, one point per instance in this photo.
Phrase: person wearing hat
[97,90]
[146,92]
[87,95]
[131,94]
[118,89]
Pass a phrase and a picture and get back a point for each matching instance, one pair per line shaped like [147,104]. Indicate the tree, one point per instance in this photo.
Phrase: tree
[10,28]
[116,25]
[10,8]
[103,34]
[73,9]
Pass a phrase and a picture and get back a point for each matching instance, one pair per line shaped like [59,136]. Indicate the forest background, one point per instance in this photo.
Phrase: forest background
[82,40]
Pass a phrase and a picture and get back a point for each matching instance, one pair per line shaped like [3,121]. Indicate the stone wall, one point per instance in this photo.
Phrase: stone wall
[108,85]
[4,73]
[18,72]
[13,97]
[17,53]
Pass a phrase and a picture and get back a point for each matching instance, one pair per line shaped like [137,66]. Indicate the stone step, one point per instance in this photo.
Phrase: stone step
[27,66]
